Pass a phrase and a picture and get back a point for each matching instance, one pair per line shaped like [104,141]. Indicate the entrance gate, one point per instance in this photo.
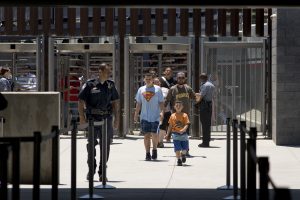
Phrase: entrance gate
[237,69]
[75,60]
[23,56]
[143,54]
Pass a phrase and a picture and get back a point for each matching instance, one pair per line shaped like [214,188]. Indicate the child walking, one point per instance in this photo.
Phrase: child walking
[178,124]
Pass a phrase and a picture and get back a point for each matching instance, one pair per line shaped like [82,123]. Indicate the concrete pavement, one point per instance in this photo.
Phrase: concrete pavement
[135,178]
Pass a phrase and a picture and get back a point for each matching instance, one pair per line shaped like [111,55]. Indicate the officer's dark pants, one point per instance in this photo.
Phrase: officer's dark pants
[98,135]
[205,118]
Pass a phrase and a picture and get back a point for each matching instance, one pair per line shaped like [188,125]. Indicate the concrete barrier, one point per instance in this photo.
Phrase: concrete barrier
[28,112]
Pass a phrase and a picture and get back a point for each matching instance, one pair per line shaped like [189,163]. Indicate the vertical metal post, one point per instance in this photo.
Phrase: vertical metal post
[104,151]
[36,165]
[126,111]
[227,186]
[16,169]
[228,160]
[73,159]
[55,162]
[91,156]
[282,193]
[91,194]
[251,165]
[104,157]
[3,170]
[235,159]
[51,64]
[242,161]
[263,165]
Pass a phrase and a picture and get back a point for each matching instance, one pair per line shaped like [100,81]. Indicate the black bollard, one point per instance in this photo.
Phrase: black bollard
[73,159]
[235,158]
[263,166]
[16,169]
[36,165]
[3,170]
[228,160]
[251,164]
[104,157]
[282,194]
[242,161]
[55,162]
[104,152]
[91,194]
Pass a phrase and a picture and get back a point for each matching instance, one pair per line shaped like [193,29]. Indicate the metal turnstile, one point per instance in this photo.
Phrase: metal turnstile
[142,54]
[24,56]
[75,60]
[237,69]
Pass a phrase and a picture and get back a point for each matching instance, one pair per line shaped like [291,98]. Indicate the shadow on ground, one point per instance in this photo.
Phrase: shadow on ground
[146,194]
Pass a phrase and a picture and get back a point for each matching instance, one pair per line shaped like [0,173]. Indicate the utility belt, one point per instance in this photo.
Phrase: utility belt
[98,112]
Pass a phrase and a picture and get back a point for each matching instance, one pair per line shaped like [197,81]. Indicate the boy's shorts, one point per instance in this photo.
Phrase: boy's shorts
[149,127]
[180,145]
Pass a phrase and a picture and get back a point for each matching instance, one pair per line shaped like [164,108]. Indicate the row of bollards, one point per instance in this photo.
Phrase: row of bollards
[248,166]
[12,144]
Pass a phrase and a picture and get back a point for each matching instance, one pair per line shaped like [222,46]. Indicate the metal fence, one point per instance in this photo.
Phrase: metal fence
[237,69]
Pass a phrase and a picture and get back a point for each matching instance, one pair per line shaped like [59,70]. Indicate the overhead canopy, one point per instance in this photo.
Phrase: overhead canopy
[158,3]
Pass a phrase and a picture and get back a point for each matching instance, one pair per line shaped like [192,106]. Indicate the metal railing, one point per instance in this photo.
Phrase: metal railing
[248,167]
[12,144]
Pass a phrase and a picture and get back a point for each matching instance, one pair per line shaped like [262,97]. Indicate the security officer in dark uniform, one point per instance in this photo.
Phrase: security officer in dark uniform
[204,99]
[99,99]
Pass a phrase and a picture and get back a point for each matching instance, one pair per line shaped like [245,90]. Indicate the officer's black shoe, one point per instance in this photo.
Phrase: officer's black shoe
[183,157]
[179,162]
[154,154]
[203,145]
[148,156]
[101,178]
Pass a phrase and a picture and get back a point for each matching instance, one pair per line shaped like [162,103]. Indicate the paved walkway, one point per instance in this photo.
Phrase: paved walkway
[135,178]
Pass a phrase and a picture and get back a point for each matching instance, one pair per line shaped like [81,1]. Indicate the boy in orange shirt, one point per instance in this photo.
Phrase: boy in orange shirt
[178,124]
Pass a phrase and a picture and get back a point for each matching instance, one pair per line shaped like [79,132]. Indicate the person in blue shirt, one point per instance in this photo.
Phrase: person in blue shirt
[5,84]
[99,99]
[150,101]
[204,99]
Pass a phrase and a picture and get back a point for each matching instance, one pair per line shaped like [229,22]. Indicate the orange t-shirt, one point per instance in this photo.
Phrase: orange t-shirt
[178,121]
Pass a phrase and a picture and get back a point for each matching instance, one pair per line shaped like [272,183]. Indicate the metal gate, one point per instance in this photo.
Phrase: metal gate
[143,54]
[237,69]
[75,60]
[23,56]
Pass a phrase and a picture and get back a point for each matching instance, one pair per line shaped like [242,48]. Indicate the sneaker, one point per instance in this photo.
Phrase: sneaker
[183,157]
[168,138]
[187,154]
[101,178]
[160,145]
[154,154]
[179,162]
[148,156]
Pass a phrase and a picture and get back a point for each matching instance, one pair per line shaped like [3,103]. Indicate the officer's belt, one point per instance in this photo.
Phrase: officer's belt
[99,112]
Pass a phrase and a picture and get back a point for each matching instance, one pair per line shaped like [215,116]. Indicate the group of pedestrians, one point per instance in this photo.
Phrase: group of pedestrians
[164,105]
